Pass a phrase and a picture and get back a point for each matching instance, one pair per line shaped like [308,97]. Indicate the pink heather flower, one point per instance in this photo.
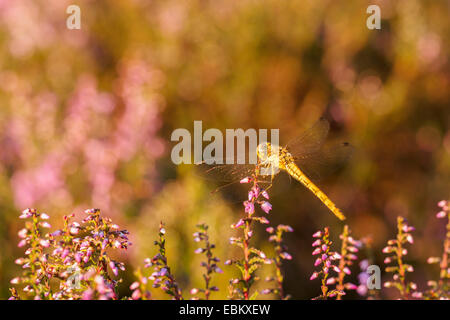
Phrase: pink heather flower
[441,214]
[45,225]
[45,243]
[163,272]
[316,243]
[88,294]
[251,195]
[256,191]
[387,260]
[218,270]
[194,291]
[331,281]
[431,260]
[23,233]
[387,249]
[407,228]
[442,203]
[314,276]
[266,207]
[56,233]
[364,264]
[346,270]
[117,244]
[336,256]
[238,224]
[27,213]
[15,280]
[336,269]
[361,290]
[285,228]
[136,295]
[249,207]
[350,286]
[317,262]
[65,253]
[409,238]
[44,216]
[245,180]
[270,229]
[250,233]
[286,256]
[316,251]
[134,285]
[199,250]
[318,234]
[265,194]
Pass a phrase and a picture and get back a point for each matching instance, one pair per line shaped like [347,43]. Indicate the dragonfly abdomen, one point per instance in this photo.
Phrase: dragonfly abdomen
[298,175]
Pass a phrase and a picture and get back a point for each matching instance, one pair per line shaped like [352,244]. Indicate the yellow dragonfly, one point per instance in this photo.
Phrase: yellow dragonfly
[304,159]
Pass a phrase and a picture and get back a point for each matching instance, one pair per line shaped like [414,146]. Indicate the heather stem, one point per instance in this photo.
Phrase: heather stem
[340,285]
[444,261]
[247,229]
[399,253]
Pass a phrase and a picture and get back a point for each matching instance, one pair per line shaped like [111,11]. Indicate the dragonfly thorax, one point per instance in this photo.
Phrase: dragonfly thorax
[272,155]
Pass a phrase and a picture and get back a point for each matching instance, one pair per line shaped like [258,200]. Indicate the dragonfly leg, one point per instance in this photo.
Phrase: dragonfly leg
[271,181]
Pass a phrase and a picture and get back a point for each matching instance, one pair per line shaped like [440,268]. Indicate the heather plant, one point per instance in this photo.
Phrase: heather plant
[349,248]
[253,258]
[76,255]
[440,289]
[162,276]
[397,252]
[334,266]
[210,264]
[280,248]
[75,262]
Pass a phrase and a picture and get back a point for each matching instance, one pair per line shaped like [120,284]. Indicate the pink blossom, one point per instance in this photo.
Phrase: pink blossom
[266,207]
[314,276]
[318,234]
[245,180]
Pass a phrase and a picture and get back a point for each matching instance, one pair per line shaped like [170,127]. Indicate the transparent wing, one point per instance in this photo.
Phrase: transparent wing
[225,172]
[311,140]
[324,161]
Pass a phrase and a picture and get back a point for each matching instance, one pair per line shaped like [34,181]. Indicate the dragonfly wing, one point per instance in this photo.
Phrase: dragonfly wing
[311,140]
[324,161]
[226,172]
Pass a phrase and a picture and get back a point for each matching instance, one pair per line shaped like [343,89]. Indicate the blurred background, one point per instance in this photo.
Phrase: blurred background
[86,118]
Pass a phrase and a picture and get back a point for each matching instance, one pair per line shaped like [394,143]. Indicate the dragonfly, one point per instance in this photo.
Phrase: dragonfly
[304,159]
